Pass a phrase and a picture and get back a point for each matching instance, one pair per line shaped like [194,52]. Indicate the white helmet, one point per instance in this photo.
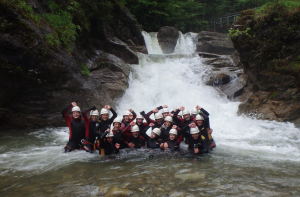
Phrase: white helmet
[180,113]
[94,113]
[104,111]
[127,113]
[139,116]
[194,130]
[199,117]
[194,111]
[185,112]
[110,134]
[76,108]
[165,110]
[158,116]
[135,128]
[173,131]
[119,120]
[157,131]
[169,118]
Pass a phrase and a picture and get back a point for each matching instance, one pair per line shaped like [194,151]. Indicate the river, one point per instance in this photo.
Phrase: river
[252,158]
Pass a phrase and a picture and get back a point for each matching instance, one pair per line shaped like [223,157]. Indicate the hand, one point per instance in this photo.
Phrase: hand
[130,110]
[107,107]
[196,150]
[166,146]
[131,145]
[198,107]
[155,110]
[161,145]
[181,108]
[193,125]
[175,110]
[117,146]
[130,116]
[132,123]
[165,106]
[174,127]
[210,131]
[108,130]
[74,104]
[170,114]
[151,124]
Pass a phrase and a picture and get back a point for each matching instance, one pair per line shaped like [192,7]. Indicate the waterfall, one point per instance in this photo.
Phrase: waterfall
[175,80]
[152,43]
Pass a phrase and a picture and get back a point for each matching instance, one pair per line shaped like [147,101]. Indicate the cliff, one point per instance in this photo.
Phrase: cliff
[56,52]
[268,42]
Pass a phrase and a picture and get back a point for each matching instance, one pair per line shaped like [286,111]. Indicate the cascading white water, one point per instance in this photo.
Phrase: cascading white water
[152,43]
[186,43]
[175,81]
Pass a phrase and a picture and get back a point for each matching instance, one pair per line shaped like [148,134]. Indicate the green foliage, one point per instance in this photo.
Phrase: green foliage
[85,70]
[62,23]
[274,95]
[293,96]
[53,40]
[24,8]
[237,32]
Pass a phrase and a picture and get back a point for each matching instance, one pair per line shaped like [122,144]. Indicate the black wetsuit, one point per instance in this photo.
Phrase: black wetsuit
[138,141]
[109,148]
[77,130]
[165,132]
[118,138]
[173,144]
[200,143]
[151,143]
[101,125]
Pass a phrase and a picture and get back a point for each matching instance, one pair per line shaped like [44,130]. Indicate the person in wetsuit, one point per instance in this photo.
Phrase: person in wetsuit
[135,140]
[171,142]
[105,121]
[90,124]
[166,127]
[197,143]
[128,117]
[153,141]
[117,133]
[76,127]
[107,143]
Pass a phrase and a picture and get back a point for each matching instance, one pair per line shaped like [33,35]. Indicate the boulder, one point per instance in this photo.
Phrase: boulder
[234,88]
[214,42]
[219,79]
[119,192]
[190,176]
[167,38]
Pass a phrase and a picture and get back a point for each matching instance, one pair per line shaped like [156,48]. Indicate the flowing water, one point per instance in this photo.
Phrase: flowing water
[252,158]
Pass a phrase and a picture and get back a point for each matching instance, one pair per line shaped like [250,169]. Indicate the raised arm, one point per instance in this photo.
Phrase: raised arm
[64,113]
[146,117]
[114,115]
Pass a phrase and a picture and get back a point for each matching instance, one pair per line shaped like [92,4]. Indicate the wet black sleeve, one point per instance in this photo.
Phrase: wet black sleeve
[143,132]
[146,117]
[114,115]
[96,131]
[206,120]
[204,111]
[183,130]
[64,110]
[160,107]
[102,144]
[87,110]
[175,118]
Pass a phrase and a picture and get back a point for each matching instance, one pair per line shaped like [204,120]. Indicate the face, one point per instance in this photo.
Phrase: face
[194,115]
[126,118]
[117,126]
[135,134]
[186,117]
[165,114]
[195,136]
[109,139]
[167,123]
[153,135]
[75,114]
[159,121]
[104,117]
[199,122]
[179,117]
[139,121]
[172,136]
[94,117]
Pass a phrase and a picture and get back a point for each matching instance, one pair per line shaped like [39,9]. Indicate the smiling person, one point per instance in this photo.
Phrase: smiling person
[135,140]
[153,141]
[90,125]
[128,117]
[105,121]
[171,142]
[76,127]
[107,143]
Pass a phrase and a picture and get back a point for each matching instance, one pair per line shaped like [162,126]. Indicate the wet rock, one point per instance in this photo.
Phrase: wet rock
[214,42]
[190,176]
[208,55]
[154,182]
[219,79]
[234,88]
[167,38]
[117,192]
[179,194]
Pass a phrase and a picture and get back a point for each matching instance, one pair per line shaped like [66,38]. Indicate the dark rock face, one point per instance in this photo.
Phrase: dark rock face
[271,64]
[167,38]
[214,42]
[37,81]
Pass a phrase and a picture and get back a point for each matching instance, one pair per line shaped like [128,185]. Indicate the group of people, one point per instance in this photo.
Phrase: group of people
[166,131]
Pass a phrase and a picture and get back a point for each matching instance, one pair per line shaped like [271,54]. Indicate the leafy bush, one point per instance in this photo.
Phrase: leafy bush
[85,70]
